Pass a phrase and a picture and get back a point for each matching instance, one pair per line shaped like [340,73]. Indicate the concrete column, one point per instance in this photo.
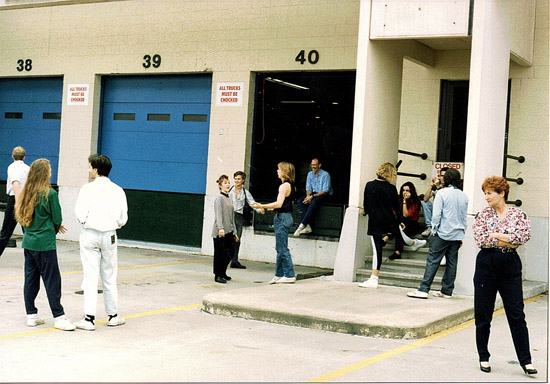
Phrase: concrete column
[487,102]
[78,139]
[375,135]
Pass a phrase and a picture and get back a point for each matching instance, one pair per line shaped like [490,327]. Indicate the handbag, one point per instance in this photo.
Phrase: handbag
[247,212]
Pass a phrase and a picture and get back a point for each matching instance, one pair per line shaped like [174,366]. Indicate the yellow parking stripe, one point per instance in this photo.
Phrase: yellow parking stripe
[397,351]
[136,315]
[122,268]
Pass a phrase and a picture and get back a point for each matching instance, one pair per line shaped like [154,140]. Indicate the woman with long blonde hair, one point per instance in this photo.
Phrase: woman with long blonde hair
[282,221]
[39,213]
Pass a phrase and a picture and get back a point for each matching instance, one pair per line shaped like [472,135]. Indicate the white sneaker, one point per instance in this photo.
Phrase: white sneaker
[61,322]
[443,261]
[275,279]
[85,325]
[34,320]
[116,321]
[307,229]
[427,232]
[418,294]
[440,294]
[370,283]
[417,244]
[299,230]
[286,280]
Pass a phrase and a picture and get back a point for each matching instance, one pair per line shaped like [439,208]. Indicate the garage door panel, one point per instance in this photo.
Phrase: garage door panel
[30,117]
[184,148]
[155,129]
[144,175]
[135,117]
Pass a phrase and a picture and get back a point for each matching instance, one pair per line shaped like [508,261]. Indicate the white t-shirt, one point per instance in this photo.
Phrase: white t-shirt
[101,205]
[17,171]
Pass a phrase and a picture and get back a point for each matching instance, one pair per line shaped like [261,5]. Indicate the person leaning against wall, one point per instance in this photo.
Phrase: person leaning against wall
[240,197]
[17,174]
[498,231]
[101,209]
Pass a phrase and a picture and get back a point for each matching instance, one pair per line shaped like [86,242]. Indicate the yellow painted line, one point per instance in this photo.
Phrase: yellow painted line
[136,315]
[397,351]
[121,268]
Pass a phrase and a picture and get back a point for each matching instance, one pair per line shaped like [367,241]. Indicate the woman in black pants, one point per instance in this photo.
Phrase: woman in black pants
[223,231]
[498,231]
[381,204]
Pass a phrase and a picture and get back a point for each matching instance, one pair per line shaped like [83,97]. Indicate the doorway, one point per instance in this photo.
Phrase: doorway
[453,117]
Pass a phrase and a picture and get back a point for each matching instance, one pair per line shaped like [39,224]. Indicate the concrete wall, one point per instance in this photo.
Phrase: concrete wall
[413,18]
[232,39]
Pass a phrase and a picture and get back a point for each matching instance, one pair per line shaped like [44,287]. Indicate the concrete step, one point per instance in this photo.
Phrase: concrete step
[400,278]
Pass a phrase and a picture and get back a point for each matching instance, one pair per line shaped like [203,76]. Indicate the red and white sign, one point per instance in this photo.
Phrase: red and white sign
[441,164]
[78,94]
[229,94]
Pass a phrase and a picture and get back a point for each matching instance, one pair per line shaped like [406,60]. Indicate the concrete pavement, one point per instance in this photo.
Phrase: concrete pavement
[168,338]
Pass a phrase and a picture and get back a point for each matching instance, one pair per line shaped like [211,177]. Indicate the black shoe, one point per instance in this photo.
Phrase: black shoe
[395,256]
[219,279]
[226,277]
[237,265]
[484,369]
[529,371]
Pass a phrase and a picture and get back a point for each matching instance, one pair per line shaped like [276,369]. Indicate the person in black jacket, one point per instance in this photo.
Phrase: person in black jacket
[381,203]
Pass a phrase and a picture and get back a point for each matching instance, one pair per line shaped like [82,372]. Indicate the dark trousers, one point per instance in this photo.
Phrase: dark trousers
[223,252]
[239,220]
[438,249]
[497,271]
[377,245]
[411,228]
[8,226]
[308,210]
[42,263]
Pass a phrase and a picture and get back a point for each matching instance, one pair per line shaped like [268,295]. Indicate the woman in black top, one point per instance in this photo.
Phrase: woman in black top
[381,203]
[282,221]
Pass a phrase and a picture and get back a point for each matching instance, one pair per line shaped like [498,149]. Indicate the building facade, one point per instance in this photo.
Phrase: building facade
[179,92]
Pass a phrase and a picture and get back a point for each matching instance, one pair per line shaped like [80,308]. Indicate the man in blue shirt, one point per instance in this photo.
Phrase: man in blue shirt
[448,228]
[318,190]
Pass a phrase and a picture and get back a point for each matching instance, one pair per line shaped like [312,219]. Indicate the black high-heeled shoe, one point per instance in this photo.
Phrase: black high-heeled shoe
[484,369]
[529,371]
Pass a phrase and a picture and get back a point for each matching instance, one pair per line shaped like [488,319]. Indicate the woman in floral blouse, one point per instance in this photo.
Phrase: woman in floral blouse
[498,231]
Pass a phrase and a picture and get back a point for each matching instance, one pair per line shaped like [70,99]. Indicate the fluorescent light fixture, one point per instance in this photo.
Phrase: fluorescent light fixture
[286,84]
[298,102]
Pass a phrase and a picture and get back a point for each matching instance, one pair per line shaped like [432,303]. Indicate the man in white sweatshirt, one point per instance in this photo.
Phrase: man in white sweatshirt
[101,208]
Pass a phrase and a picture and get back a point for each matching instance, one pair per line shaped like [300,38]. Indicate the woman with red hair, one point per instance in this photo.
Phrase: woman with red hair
[498,231]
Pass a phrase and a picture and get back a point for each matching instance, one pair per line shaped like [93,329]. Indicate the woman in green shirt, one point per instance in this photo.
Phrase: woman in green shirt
[39,213]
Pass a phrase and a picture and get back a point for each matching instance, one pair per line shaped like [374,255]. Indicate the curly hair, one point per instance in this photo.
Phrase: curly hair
[497,184]
[37,184]
[413,200]
[387,172]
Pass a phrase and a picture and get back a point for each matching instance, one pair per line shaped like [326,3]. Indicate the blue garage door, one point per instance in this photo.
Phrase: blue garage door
[30,116]
[155,130]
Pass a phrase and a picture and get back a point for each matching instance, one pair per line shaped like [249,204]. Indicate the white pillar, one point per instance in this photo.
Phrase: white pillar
[375,135]
[487,102]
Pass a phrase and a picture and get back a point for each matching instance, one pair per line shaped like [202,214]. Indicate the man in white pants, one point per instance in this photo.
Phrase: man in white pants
[101,208]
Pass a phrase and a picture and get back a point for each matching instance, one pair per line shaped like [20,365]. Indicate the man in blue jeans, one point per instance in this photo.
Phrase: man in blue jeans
[318,190]
[448,229]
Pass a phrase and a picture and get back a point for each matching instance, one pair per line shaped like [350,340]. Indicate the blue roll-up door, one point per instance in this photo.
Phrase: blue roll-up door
[155,131]
[30,116]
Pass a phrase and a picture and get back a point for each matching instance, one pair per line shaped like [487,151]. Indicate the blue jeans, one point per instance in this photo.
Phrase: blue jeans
[283,264]
[42,263]
[438,249]
[427,207]
[308,210]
